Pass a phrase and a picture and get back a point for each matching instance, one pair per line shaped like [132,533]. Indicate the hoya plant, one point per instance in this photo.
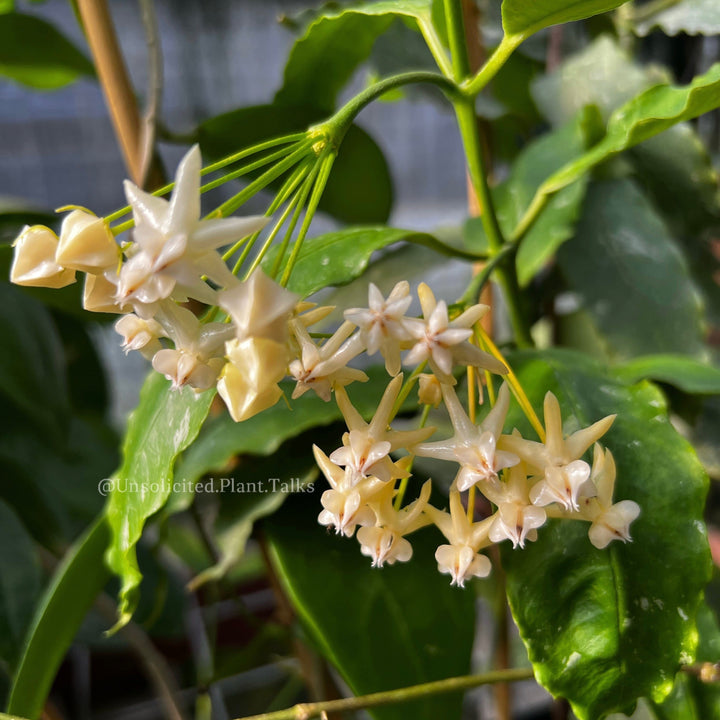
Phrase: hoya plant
[520,464]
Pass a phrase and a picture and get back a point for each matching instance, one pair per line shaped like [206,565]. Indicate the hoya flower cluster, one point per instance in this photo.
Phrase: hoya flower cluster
[255,332]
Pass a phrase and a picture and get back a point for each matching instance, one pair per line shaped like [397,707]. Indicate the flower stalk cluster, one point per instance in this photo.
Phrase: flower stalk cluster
[255,332]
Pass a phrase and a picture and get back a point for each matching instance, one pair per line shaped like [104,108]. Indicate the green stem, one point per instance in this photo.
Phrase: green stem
[456,37]
[405,390]
[478,282]
[435,45]
[338,124]
[391,697]
[325,168]
[488,71]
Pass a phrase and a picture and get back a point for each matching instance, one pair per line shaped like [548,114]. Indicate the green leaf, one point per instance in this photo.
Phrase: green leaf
[164,424]
[643,117]
[7,6]
[419,628]
[525,18]
[359,188]
[624,265]
[21,583]
[339,257]
[557,222]
[692,17]
[31,371]
[77,581]
[334,44]
[682,372]
[604,627]
[34,53]
[690,698]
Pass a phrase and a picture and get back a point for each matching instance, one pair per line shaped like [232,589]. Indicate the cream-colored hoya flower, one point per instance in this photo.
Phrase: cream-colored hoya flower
[259,307]
[323,368]
[609,521]
[460,559]
[139,334]
[249,381]
[197,357]
[345,505]
[86,244]
[473,447]
[385,542]
[565,476]
[366,446]
[516,519]
[444,343]
[173,248]
[34,263]
[383,325]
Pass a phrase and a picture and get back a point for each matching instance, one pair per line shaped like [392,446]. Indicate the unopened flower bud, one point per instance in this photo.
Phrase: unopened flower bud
[34,264]
[86,243]
[429,390]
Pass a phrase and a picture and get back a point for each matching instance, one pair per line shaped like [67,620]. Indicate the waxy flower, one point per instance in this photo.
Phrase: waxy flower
[259,307]
[345,505]
[366,446]
[460,559]
[139,334]
[34,262]
[473,447]
[609,521]
[516,519]
[86,244]
[557,460]
[173,248]
[444,343]
[385,542]
[197,357]
[383,325]
[323,368]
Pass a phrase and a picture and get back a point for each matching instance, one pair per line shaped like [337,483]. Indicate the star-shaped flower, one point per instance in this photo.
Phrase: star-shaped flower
[173,248]
[444,343]
[366,446]
[383,325]
[557,460]
[460,559]
[473,447]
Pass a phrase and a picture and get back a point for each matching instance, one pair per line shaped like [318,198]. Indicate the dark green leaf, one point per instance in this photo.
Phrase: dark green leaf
[21,583]
[382,629]
[339,257]
[625,267]
[31,370]
[525,18]
[76,583]
[604,627]
[34,53]
[334,44]
[164,424]
[692,17]
[683,372]
[359,188]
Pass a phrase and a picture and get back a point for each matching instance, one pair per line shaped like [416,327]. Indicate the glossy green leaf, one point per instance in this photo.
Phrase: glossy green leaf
[334,44]
[164,424]
[690,698]
[654,111]
[557,222]
[381,628]
[359,189]
[339,257]
[77,581]
[691,17]
[604,627]
[625,266]
[33,52]
[525,18]
[682,372]
[31,371]
[21,583]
